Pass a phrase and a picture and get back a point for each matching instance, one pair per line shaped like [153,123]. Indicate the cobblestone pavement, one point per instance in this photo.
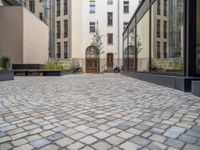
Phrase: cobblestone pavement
[101,112]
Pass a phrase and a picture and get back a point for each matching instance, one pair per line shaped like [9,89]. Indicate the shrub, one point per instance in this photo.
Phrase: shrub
[177,64]
[56,66]
[4,61]
[74,64]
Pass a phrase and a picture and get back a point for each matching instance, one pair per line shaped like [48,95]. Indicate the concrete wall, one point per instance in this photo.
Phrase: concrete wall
[76,29]
[35,43]
[11,33]
[23,38]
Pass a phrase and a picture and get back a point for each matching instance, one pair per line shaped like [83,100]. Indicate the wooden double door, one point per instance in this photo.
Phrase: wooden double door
[92,65]
[110,60]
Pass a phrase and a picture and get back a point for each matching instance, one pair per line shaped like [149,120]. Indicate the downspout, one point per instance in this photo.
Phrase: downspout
[118,25]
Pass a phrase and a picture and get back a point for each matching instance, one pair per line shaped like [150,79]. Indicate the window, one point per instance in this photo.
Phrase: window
[125,25]
[110,38]
[41,16]
[92,7]
[158,28]
[65,7]
[65,28]
[110,18]
[165,49]
[126,6]
[165,29]
[109,2]
[92,27]
[65,50]
[58,7]
[58,50]
[158,7]
[58,29]
[158,50]
[165,7]
[32,6]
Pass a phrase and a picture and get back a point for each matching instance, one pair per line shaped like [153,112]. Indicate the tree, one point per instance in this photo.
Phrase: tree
[135,47]
[97,45]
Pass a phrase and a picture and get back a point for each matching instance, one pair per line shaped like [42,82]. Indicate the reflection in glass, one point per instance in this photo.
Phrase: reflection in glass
[167,49]
[125,55]
[198,37]
[131,51]
[143,44]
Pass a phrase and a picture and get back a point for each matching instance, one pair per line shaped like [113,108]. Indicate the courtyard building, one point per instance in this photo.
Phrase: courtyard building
[109,17]
[45,11]
[162,39]
[73,23]
[23,38]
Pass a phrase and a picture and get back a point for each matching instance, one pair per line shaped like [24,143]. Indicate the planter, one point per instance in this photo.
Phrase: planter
[196,88]
[56,73]
[171,81]
[6,75]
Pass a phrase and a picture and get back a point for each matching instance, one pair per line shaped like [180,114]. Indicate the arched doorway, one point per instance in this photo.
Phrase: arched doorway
[110,61]
[92,61]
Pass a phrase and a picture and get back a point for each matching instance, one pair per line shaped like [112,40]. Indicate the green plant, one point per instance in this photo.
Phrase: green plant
[135,44]
[74,63]
[154,66]
[56,66]
[4,61]
[177,64]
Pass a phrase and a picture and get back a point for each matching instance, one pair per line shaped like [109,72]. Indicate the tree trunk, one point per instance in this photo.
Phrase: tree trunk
[98,64]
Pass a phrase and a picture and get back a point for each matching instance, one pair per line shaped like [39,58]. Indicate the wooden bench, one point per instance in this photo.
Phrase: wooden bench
[39,72]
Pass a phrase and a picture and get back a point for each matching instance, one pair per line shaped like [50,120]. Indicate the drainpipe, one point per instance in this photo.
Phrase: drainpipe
[118,26]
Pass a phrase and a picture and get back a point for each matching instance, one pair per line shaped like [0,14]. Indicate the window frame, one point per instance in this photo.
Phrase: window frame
[110,39]
[109,18]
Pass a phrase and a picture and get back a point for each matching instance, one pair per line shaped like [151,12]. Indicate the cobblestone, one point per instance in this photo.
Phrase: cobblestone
[92,112]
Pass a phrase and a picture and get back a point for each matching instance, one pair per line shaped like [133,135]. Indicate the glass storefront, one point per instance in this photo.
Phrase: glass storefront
[198,38]
[162,43]
[131,51]
[125,54]
[167,36]
[142,36]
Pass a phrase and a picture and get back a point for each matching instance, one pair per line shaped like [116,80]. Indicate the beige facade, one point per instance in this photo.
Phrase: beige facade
[40,8]
[81,37]
[156,18]
[23,38]
[62,29]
